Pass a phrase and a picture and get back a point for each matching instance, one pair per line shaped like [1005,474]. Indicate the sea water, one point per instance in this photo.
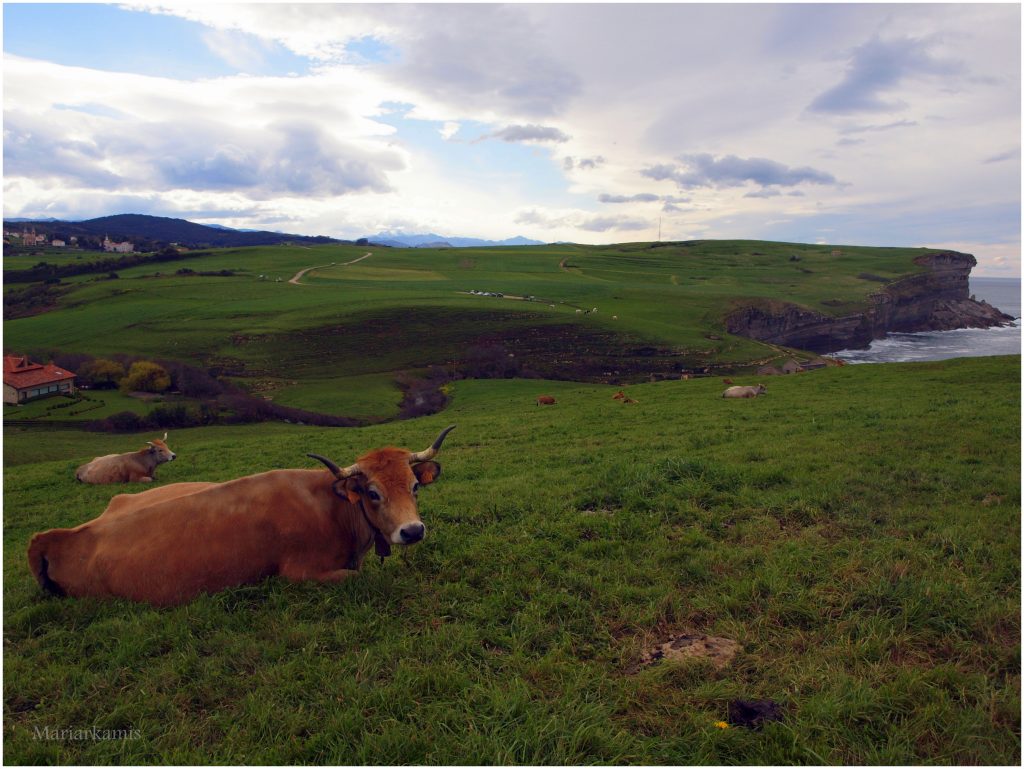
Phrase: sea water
[1002,293]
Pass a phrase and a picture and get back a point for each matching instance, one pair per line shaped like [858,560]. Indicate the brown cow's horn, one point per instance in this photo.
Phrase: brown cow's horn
[338,472]
[421,456]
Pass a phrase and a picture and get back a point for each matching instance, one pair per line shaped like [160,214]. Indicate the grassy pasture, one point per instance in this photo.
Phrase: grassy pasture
[857,530]
[100,404]
[668,294]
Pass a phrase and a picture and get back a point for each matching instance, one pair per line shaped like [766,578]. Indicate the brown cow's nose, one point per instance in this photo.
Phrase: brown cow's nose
[411,532]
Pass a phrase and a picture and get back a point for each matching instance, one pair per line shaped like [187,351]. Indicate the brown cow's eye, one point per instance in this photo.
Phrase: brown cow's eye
[415,488]
[374,496]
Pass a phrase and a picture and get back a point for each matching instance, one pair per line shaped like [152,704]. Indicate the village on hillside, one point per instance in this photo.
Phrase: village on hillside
[29,237]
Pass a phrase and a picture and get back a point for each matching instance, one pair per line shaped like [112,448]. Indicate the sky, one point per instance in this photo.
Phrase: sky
[868,124]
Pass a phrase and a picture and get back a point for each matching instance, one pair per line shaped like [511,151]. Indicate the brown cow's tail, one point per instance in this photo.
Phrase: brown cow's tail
[38,563]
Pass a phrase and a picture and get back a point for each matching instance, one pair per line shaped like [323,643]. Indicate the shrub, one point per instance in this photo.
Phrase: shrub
[146,376]
[125,421]
[101,373]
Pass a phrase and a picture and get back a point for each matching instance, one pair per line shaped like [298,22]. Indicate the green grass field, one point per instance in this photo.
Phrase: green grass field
[404,309]
[856,530]
[96,404]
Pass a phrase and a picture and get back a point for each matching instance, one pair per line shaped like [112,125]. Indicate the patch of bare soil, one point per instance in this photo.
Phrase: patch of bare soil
[686,646]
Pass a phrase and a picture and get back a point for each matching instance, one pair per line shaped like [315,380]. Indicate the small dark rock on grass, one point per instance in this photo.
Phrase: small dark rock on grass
[754,713]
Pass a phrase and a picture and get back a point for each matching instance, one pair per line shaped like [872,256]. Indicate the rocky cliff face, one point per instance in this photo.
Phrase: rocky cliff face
[937,299]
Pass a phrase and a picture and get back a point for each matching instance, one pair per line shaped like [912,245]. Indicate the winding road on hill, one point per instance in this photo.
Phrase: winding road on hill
[295,278]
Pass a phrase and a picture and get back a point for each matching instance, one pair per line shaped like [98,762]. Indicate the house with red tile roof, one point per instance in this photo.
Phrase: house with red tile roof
[24,380]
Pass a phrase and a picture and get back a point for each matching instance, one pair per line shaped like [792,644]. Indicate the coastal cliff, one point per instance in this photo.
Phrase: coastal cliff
[935,299]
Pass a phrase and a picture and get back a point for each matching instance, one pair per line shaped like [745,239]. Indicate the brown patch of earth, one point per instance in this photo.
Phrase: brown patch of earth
[688,646]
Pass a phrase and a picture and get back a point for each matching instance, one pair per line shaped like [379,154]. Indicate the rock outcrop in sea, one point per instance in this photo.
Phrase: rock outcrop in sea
[936,299]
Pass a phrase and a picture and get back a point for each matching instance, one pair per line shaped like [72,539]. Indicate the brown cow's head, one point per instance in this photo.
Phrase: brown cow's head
[159,449]
[383,483]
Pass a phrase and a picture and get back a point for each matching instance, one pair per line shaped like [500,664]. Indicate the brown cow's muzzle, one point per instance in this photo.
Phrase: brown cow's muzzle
[412,532]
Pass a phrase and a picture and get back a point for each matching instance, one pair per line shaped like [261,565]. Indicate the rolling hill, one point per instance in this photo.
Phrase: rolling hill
[160,231]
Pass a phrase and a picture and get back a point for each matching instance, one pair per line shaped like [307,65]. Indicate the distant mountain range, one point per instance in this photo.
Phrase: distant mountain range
[154,232]
[432,240]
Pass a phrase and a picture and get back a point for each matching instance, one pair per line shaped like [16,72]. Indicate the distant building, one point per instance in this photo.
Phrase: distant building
[24,380]
[57,243]
[791,367]
[122,248]
[27,237]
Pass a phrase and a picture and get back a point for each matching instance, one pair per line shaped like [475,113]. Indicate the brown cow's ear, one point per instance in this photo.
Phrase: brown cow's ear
[426,472]
[352,488]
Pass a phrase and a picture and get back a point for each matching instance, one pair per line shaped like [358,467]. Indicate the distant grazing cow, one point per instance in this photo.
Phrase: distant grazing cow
[132,467]
[686,376]
[627,399]
[201,538]
[546,400]
[618,396]
[744,392]
[727,381]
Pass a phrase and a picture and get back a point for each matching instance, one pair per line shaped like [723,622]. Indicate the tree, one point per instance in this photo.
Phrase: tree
[101,372]
[146,376]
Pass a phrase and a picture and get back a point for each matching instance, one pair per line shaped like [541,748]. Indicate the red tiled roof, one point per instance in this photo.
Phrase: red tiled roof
[20,373]
[18,363]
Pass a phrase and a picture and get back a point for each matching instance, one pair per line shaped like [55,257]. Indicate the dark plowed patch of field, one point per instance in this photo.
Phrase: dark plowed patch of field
[532,344]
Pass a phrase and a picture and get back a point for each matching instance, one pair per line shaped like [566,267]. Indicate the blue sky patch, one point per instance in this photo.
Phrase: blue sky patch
[109,38]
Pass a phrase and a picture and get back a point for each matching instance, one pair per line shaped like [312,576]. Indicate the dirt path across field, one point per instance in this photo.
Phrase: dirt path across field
[295,278]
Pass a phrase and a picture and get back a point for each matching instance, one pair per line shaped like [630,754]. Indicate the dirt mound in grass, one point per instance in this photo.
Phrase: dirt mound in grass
[689,645]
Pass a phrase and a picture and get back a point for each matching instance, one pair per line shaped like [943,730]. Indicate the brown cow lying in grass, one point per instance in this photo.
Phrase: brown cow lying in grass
[546,400]
[168,545]
[133,467]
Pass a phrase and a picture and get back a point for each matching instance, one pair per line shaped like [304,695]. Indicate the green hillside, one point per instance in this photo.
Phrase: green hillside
[660,308]
[856,531]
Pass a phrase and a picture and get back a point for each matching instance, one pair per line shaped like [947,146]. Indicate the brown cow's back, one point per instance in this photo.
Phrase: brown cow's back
[121,504]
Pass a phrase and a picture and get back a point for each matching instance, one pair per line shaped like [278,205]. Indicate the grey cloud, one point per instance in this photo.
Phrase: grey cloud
[591,224]
[1013,154]
[527,133]
[879,66]
[643,197]
[874,128]
[704,170]
[848,142]
[605,223]
[585,164]
[481,54]
[769,193]
[286,158]
[533,217]
[293,158]
[35,147]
